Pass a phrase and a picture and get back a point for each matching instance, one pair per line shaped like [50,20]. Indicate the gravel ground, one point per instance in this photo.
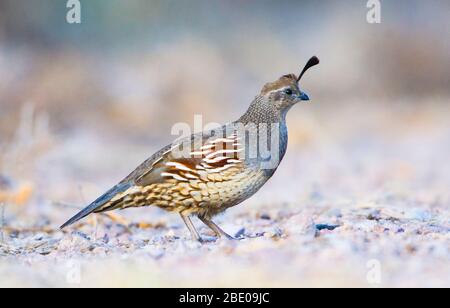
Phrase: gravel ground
[366,207]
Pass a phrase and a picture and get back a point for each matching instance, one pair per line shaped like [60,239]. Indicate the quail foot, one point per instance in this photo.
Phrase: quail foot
[206,173]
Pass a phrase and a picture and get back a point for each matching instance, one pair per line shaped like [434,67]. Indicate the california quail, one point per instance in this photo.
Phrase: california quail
[206,173]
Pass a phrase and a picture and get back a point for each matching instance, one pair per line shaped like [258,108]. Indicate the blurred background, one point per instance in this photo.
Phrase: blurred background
[81,105]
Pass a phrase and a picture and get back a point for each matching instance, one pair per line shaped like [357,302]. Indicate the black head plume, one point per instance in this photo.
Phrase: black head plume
[311,62]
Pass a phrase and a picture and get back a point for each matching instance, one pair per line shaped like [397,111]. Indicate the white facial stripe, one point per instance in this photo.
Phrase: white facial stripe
[278,90]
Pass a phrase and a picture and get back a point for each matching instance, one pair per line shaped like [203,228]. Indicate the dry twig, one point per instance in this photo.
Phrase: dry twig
[92,220]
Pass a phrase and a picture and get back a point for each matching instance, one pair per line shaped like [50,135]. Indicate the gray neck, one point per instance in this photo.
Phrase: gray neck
[262,111]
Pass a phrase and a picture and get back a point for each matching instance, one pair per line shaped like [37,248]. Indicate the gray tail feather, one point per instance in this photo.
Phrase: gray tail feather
[97,204]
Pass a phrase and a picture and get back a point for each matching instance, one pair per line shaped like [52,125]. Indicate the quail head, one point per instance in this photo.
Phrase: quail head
[204,174]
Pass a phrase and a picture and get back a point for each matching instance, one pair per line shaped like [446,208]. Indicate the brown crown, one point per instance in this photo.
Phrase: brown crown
[283,81]
[290,79]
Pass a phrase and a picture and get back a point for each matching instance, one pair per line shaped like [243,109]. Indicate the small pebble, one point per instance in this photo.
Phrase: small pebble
[326,227]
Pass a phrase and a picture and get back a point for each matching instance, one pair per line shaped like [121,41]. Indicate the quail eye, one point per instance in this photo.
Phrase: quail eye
[288,91]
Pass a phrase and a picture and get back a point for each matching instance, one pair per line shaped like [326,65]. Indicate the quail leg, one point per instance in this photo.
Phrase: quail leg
[191,227]
[217,230]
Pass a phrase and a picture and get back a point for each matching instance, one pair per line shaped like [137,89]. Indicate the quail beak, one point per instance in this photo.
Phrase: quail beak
[303,96]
